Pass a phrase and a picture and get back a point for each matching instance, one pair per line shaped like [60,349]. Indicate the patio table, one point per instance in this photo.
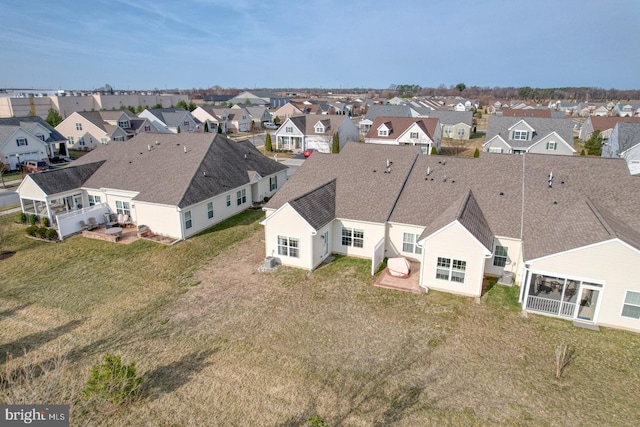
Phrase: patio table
[114,231]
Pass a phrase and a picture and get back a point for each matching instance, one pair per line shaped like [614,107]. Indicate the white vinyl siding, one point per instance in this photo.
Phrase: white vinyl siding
[631,306]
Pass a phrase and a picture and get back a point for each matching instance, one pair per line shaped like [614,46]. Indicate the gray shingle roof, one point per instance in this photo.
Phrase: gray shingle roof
[9,125]
[317,207]
[508,195]
[164,173]
[363,190]
[388,110]
[542,128]
[628,135]
[66,179]
[447,117]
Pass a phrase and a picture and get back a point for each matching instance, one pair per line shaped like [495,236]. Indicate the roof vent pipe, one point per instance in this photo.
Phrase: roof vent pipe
[185,148]
[550,179]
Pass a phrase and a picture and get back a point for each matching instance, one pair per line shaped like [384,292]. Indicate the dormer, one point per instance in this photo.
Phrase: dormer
[521,131]
[124,122]
[385,129]
[322,126]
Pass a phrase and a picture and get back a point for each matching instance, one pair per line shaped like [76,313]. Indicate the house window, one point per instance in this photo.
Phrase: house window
[187,220]
[186,123]
[461,132]
[383,132]
[520,135]
[413,135]
[447,130]
[631,306]
[123,207]
[70,139]
[453,270]
[118,138]
[241,196]
[147,128]
[495,149]
[210,210]
[551,145]
[78,126]
[21,141]
[352,237]
[288,129]
[81,140]
[41,136]
[500,256]
[319,129]
[94,200]
[228,200]
[289,246]
[410,243]
[124,124]
[273,183]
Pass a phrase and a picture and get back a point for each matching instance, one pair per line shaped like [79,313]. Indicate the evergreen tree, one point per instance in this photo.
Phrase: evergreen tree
[53,117]
[267,143]
[335,146]
[594,144]
[434,150]
[206,127]
[178,129]
[476,153]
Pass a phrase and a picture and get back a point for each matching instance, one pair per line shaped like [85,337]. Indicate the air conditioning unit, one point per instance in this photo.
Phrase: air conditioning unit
[270,262]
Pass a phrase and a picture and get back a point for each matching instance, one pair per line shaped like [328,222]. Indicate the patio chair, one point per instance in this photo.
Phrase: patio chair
[84,225]
[93,223]
[120,220]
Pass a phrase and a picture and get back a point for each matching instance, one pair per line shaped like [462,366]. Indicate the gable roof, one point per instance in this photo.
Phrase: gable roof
[171,117]
[157,167]
[66,179]
[447,117]
[628,135]
[603,123]
[388,111]
[318,206]
[542,128]
[399,125]
[365,192]
[9,125]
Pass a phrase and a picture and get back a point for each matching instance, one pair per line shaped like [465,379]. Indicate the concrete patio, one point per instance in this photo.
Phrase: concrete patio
[409,284]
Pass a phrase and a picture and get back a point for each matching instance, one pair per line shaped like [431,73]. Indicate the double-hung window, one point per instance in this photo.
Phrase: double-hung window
[187,220]
[210,210]
[520,135]
[448,269]
[93,200]
[241,196]
[410,243]
[289,246]
[352,237]
[78,126]
[500,256]
[273,183]
[123,207]
[413,135]
[631,306]
[228,200]
[21,141]
[551,145]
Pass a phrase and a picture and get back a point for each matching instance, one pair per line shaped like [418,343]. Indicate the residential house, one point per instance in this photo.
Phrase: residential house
[172,120]
[259,114]
[406,131]
[86,130]
[27,138]
[461,221]
[312,131]
[626,109]
[177,185]
[625,143]
[453,124]
[604,124]
[253,98]
[238,120]
[215,118]
[517,135]
[289,109]
[375,111]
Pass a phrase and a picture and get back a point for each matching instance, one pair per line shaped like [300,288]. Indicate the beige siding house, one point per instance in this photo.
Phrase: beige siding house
[177,185]
[462,220]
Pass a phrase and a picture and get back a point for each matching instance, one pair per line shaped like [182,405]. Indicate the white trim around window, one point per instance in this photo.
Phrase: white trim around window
[631,305]
[289,246]
[452,270]
[410,243]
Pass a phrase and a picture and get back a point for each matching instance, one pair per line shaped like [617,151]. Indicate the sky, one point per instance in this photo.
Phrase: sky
[245,44]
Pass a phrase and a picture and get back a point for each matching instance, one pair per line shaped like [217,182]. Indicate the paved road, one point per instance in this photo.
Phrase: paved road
[8,195]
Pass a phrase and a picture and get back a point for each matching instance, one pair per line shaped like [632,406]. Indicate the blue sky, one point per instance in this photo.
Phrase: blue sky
[148,44]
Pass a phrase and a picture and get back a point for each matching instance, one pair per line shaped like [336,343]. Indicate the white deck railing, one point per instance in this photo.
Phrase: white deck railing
[551,306]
